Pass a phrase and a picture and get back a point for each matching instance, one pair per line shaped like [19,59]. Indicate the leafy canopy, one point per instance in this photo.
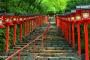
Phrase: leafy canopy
[35,6]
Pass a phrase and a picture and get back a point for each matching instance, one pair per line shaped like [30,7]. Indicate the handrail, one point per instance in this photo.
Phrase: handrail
[18,51]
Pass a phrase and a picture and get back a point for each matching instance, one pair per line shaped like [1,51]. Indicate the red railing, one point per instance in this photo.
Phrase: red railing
[18,52]
[68,28]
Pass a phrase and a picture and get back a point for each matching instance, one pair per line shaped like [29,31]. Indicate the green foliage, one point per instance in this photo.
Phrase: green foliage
[55,6]
[73,3]
[35,6]
[2,39]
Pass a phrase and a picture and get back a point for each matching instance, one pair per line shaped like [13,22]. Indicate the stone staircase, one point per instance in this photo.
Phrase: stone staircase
[55,48]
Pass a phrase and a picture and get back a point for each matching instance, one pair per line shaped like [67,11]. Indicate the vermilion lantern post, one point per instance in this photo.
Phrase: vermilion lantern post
[69,27]
[15,22]
[25,27]
[28,26]
[8,23]
[32,18]
[20,21]
[32,23]
[65,25]
[72,18]
[57,21]
[78,19]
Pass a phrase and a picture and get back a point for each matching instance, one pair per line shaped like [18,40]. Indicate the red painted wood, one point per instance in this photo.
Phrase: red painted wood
[79,40]
[7,38]
[2,26]
[14,42]
[46,19]
[73,36]
[67,31]
[57,21]
[31,25]
[86,41]
[25,29]
[20,32]
[69,34]
[28,27]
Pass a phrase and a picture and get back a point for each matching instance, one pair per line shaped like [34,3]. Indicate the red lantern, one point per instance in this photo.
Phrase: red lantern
[84,11]
[1,22]
[15,20]
[73,15]
[20,20]
[78,15]
[9,21]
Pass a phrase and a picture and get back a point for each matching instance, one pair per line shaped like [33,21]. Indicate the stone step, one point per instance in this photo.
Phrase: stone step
[52,51]
[56,58]
[54,54]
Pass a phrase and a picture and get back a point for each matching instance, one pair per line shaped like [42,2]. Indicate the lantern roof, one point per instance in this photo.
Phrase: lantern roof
[73,11]
[83,7]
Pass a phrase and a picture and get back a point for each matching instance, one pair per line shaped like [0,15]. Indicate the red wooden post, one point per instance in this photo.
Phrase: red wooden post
[7,38]
[67,31]
[62,26]
[40,20]
[31,25]
[28,28]
[20,32]
[25,29]
[73,36]
[86,41]
[57,21]
[64,29]
[8,23]
[46,19]
[69,34]
[14,35]
[79,40]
